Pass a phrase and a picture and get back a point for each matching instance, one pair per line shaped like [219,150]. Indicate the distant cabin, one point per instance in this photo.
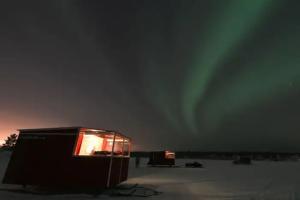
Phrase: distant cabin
[161,158]
[69,157]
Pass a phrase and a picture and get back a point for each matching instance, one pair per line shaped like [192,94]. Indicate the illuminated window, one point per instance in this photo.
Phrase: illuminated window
[169,155]
[101,144]
[91,144]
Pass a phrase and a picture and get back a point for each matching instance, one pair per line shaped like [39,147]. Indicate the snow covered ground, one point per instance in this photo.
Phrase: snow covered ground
[217,181]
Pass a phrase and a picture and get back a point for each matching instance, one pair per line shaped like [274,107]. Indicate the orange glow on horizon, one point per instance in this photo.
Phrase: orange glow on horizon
[12,124]
[4,133]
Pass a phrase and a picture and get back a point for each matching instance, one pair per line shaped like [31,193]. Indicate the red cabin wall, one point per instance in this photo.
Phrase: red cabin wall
[47,160]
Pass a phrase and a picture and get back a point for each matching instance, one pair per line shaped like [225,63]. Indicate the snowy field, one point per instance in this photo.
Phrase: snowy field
[218,180]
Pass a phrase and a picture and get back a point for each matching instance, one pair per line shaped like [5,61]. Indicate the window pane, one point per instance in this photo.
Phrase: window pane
[94,144]
[126,148]
[169,155]
[90,144]
[118,148]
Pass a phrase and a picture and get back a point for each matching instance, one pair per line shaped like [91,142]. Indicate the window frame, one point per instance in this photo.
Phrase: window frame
[81,133]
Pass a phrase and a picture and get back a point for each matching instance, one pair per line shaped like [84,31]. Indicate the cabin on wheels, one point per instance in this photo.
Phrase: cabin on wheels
[162,158]
[69,157]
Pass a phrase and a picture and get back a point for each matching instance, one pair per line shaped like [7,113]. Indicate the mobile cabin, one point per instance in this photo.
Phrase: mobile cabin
[162,158]
[69,157]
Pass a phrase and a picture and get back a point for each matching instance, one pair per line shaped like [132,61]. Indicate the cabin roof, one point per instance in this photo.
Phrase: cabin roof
[67,130]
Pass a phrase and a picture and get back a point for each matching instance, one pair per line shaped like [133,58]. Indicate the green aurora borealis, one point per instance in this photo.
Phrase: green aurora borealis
[234,23]
[267,70]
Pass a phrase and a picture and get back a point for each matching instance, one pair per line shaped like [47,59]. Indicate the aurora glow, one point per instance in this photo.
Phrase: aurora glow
[234,23]
[259,85]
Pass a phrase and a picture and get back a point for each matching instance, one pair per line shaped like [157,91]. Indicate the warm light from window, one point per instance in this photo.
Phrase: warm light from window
[90,144]
[169,155]
[95,144]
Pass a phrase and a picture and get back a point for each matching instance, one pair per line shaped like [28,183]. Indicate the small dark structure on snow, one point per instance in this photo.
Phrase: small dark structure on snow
[242,160]
[194,164]
[69,157]
[162,158]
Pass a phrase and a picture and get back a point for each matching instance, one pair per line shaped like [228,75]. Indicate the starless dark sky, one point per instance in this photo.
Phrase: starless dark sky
[183,75]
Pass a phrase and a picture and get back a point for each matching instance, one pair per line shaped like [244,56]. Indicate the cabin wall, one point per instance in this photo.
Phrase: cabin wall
[119,170]
[47,160]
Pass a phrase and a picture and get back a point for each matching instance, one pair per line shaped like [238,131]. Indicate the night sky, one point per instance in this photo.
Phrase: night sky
[182,75]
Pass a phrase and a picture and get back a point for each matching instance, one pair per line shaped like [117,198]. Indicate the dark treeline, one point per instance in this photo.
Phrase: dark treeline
[228,155]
